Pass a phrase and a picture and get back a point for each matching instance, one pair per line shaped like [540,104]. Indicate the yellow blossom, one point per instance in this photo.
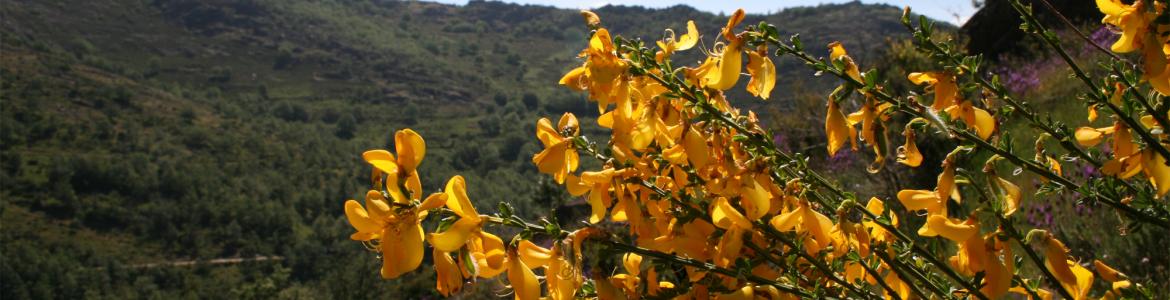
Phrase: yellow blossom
[629,281]
[908,153]
[727,67]
[591,18]
[974,117]
[943,83]
[809,221]
[1010,194]
[671,43]
[1131,19]
[836,128]
[837,53]
[1072,276]
[763,73]
[449,278]
[955,231]
[525,286]
[400,232]
[558,157]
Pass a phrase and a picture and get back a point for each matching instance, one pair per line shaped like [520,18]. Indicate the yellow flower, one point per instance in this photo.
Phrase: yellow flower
[1117,279]
[934,202]
[670,44]
[1010,194]
[1127,158]
[653,285]
[732,21]
[602,70]
[723,71]
[837,52]
[998,277]
[559,157]
[1089,137]
[597,184]
[837,128]
[1131,19]
[386,169]
[1072,276]
[524,283]
[371,220]
[727,67]
[878,234]
[955,231]
[575,79]
[727,217]
[487,251]
[908,153]
[561,278]
[411,150]
[629,281]
[871,116]
[763,73]
[469,222]
[1155,168]
[900,288]
[974,117]
[591,18]
[400,231]
[698,152]
[605,289]
[943,83]
[485,248]
[756,199]
[1154,66]
[809,221]
[1107,273]
[449,278]
[972,256]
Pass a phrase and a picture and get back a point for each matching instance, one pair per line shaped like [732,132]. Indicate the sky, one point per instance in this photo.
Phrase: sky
[951,11]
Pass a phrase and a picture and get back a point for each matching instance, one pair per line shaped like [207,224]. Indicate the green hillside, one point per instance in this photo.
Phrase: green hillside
[140,133]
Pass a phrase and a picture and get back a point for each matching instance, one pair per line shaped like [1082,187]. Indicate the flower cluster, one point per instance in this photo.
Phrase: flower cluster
[702,189]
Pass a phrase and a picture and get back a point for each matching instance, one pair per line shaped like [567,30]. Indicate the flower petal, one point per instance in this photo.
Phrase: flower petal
[836,128]
[955,231]
[411,149]
[449,278]
[454,237]
[1154,165]
[724,216]
[533,256]
[1088,136]
[756,200]
[405,253]
[359,218]
[688,40]
[523,281]
[382,160]
[919,199]
[697,150]
[457,199]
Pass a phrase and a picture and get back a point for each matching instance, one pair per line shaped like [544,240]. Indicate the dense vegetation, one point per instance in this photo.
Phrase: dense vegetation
[142,132]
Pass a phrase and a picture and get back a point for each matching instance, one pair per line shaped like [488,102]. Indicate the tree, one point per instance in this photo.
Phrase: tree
[346,127]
